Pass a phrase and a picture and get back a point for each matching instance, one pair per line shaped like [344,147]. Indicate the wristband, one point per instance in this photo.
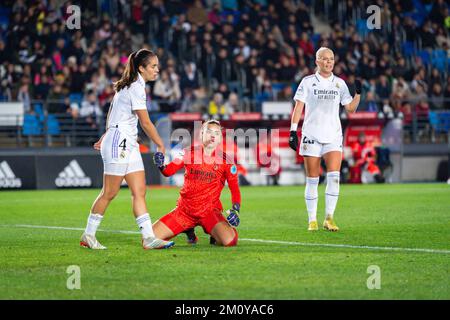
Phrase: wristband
[294,126]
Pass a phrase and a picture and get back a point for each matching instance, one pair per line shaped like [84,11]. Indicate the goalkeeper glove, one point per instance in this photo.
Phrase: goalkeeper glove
[233,215]
[158,158]
[293,140]
[358,86]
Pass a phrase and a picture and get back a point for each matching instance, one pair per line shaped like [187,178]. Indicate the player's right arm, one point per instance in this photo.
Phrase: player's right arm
[98,144]
[296,115]
[300,99]
[169,169]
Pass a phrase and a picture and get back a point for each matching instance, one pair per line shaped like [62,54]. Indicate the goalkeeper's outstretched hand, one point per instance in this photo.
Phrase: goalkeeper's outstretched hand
[233,215]
[158,158]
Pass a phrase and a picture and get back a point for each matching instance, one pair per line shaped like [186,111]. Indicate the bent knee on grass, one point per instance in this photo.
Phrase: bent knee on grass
[224,235]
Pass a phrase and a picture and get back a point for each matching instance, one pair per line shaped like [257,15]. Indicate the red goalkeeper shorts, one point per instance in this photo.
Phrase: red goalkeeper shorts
[178,220]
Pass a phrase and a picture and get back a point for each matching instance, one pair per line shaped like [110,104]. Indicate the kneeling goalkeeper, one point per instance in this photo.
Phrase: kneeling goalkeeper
[206,169]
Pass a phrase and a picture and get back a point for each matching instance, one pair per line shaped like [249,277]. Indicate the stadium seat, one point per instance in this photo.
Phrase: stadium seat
[408,48]
[4,18]
[277,87]
[361,27]
[315,39]
[440,121]
[53,125]
[39,110]
[31,125]
[76,98]
[425,56]
[439,59]
[428,7]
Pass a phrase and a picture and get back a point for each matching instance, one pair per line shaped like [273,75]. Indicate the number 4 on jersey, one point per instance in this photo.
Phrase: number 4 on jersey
[123,144]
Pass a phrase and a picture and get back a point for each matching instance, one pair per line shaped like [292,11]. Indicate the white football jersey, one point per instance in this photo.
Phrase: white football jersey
[123,105]
[322,97]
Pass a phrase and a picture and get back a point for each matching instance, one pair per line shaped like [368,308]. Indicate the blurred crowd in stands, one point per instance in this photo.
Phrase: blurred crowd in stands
[220,57]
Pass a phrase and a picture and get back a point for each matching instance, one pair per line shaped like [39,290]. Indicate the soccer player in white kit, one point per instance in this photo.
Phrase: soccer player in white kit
[320,94]
[120,150]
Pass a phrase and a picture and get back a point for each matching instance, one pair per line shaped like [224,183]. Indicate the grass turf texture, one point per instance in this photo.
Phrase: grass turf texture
[33,262]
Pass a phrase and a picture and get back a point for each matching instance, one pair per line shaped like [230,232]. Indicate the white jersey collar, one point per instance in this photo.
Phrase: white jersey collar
[141,80]
[320,78]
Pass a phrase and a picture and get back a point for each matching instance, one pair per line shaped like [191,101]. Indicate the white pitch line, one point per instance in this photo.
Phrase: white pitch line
[305,244]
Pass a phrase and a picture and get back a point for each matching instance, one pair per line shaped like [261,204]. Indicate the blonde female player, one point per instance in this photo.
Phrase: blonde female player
[120,150]
[320,94]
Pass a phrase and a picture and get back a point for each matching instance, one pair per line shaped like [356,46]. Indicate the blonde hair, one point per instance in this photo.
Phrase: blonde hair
[211,121]
[322,49]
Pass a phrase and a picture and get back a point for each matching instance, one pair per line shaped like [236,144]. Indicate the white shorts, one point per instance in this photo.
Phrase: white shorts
[120,154]
[313,148]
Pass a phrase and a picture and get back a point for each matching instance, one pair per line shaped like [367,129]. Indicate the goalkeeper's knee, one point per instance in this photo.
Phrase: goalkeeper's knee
[233,242]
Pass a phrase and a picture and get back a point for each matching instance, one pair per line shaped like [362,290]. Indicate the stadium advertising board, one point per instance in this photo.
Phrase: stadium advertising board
[60,171]
[17,172]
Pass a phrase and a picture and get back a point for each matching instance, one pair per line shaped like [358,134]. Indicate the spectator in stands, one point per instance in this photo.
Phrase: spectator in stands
[437,97]
[383,89]
[447,94]
[56,100]
[439,12]
[24,96]
[285,69]
[79,78]
[196,14]
[435,77]
[90,110]
[187,104]
[418,80]
[422,108]
[214,14]
[400,89]
[168,91]
[223,89]
[262,34]
[233,105]
[189,78]
[427,35]
[370,104]
[217,106]
[105,98]
[42,88]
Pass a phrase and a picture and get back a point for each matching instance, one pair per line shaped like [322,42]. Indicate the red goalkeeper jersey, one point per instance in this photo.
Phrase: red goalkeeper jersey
[204,179]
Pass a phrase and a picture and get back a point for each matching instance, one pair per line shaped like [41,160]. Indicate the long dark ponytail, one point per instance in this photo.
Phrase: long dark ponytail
[135,60]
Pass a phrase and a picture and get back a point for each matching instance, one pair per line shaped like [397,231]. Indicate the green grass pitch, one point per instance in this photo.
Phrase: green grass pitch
[297,265]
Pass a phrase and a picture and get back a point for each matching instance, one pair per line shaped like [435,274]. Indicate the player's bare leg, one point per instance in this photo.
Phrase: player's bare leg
[111,186]
[224,234]
[162,231]
[136,183]
[312,169]
[333,161]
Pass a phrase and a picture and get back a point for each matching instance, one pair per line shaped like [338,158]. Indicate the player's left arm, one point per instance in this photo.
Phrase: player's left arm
[351,104]
[233,183]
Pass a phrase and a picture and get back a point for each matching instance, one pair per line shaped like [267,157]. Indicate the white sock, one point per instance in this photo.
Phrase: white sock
[311,197]
[331,193]
[93,222]
[145,225]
